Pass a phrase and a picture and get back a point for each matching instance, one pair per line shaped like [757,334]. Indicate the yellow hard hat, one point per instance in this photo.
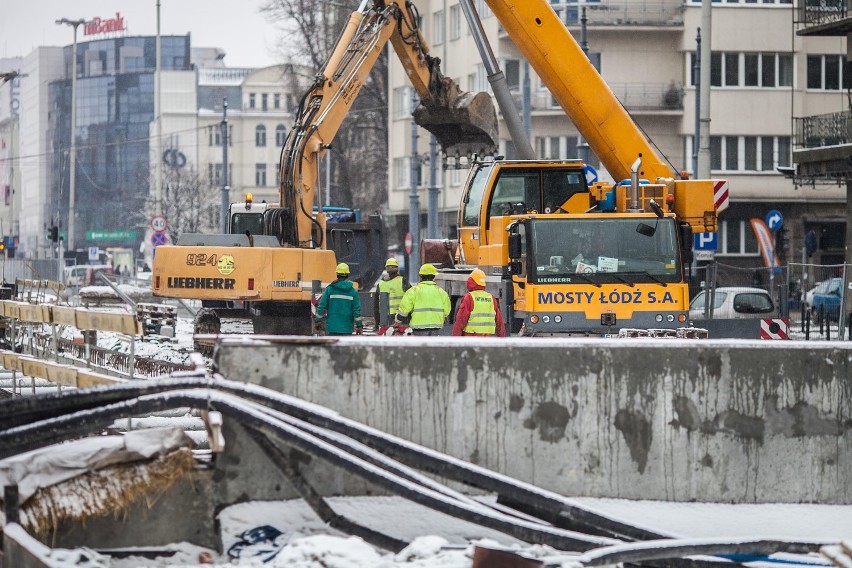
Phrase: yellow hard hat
[343,268]
[428,270]
[478,276]
[392,262]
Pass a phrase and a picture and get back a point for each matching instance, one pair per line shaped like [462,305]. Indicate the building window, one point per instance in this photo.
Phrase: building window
[260,135]
[455,22]
[276,101]
[826,72]
[260,175]
[264,101]
[438,27]
[732,69]
[483,9]
[402,103]
[277,171]
[214,135]
[252,100]
[402,173]
[214,174]
[280,135]
[456,178]
[736,237]
[759,153]
[512,70]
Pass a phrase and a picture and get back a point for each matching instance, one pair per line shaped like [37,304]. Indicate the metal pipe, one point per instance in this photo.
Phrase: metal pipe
[634,186]
[498,83]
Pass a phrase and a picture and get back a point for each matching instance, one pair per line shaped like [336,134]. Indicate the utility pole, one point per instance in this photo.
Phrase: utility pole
[696,73]
[158,111]
[432,210]
[72,185]
[703,171]
[226,188]
[414,204]
[582,145]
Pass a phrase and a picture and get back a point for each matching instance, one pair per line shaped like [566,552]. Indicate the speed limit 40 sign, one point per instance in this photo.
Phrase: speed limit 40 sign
[159,223]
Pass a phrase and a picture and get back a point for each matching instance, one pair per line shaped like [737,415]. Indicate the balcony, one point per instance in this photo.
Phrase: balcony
[635,97]
[823,130]
[622,12]
[823,18]
[822,145]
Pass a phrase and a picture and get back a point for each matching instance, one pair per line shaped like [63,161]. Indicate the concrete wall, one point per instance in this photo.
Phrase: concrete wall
[737,421]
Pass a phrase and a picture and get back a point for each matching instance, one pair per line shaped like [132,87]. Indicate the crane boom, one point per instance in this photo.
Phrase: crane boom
[591,105]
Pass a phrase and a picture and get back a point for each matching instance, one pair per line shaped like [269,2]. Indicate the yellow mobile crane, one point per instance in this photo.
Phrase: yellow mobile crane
[274,252]
[564,256]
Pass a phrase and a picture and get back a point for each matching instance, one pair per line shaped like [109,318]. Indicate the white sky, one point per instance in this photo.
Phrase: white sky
[234,25]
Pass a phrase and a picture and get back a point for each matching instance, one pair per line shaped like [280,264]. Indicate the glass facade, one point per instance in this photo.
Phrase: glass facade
[115,107]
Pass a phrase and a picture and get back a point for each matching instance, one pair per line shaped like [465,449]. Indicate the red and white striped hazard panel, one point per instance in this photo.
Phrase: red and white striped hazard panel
[774,328]
[720,195]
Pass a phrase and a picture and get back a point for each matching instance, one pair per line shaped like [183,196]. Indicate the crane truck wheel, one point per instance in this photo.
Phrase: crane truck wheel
[206,322]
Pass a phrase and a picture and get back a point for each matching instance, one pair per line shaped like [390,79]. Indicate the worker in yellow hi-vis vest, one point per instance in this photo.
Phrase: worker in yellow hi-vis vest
[479,312]
[395,286]
[425,306]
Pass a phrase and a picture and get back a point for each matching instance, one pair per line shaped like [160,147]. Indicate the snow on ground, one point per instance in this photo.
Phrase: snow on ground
[289,533]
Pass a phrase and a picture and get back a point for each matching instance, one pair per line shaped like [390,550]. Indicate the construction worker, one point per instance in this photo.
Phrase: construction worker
[425,306]
[395,286]
[340,300]
[479,312]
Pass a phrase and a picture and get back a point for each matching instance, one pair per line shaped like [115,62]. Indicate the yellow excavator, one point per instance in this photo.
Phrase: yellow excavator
[273,253]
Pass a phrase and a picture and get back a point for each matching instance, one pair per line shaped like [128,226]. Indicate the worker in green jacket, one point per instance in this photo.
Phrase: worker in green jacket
[425,306]
[341,303]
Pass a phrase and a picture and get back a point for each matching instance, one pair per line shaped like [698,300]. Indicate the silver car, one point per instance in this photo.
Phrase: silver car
[733,302]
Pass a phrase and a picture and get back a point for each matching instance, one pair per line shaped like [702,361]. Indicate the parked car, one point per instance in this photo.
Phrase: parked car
[827,298]
[86,274]
[733,302]
[809,295]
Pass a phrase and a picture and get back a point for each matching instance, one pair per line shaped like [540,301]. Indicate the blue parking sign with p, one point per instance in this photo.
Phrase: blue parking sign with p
[706,241]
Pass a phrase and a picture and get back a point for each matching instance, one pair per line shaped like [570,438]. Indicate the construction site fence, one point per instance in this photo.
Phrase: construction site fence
[814,298]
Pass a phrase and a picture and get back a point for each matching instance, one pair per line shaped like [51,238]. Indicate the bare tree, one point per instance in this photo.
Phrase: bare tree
[190,203]
[310,29]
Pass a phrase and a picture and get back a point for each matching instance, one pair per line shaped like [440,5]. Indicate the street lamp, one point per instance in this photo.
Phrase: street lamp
[72,185]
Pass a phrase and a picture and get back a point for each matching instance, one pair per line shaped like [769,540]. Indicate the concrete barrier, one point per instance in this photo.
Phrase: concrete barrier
[677,420]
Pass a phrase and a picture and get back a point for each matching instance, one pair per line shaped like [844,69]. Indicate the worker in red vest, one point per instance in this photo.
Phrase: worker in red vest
[479,312]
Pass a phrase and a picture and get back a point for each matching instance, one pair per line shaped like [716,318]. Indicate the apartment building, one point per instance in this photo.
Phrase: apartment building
[762,74]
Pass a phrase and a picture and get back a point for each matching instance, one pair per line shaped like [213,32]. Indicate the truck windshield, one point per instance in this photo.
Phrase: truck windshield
[637,249]
[242,222]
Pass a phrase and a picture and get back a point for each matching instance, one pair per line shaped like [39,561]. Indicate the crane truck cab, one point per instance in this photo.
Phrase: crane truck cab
[568,258]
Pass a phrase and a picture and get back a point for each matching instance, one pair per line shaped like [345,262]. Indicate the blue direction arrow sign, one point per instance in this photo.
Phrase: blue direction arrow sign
[774,220]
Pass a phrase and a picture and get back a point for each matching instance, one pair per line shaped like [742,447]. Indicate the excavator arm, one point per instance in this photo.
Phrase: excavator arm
[463,123]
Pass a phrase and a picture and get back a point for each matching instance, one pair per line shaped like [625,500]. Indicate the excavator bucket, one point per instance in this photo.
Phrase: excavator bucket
[465,125]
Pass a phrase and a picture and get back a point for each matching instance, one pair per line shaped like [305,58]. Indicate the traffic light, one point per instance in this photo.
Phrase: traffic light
[53,234]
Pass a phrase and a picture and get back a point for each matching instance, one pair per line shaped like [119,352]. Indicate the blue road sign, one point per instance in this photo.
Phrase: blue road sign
[158,238]
[705,241]
[591,174]
[774,220]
